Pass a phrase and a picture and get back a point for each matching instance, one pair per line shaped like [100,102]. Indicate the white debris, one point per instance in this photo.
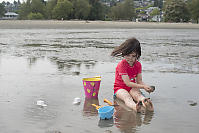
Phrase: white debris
[41,103]
[77,101]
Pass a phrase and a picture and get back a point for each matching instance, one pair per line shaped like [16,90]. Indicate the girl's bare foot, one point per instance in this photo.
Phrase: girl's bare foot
[138,107]
[148,104]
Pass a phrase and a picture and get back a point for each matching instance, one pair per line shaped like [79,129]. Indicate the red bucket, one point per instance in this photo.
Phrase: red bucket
[91,87]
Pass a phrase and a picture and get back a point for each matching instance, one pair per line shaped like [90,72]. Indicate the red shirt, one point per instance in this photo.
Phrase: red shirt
[123,68]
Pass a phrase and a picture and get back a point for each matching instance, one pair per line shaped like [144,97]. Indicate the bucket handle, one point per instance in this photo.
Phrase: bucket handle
[96,106]
[97,77]
[107,101]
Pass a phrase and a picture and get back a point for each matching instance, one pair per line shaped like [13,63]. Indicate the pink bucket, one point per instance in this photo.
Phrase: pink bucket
[91,87]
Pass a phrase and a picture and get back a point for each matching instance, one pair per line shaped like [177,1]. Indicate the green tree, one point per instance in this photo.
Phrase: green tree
[97,11]
[167,2]
[194,9]
[15,3]
[63,10]
[2,10]
[81,9]
[158,3]
[37,6]
[31,6]
[25,9]
[19,2]
[155,12]
[123,10]
[176,11]
[116,13]
[129,11]
[49,8]
[34,16]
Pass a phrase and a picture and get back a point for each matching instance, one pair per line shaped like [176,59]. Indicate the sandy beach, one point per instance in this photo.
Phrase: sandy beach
[47,60]
[54,24]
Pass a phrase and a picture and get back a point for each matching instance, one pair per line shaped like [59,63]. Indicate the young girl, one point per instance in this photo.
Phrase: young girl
[128,76]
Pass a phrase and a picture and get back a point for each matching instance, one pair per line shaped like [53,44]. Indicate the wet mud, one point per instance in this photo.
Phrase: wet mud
[49,64]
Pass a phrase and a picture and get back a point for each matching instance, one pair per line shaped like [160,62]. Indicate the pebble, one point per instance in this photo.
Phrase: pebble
[77,101]
[41,103]
[192,103]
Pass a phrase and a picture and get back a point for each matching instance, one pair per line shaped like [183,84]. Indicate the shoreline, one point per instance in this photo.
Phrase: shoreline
[56,24]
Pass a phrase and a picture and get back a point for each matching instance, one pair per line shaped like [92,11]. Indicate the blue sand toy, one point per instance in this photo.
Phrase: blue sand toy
[104,112]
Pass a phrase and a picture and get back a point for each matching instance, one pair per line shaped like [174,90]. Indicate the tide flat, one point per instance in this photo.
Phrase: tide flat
[49,64]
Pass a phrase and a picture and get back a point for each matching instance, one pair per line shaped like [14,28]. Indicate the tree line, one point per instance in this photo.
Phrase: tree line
[63,9]
[181,11]
[75,9]
[172,10]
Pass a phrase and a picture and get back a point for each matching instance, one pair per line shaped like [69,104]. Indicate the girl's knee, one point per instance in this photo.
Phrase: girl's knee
[129,100]
[136,94]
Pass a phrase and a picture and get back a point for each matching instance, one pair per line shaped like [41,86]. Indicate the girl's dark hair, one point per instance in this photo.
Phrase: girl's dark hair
[129,46]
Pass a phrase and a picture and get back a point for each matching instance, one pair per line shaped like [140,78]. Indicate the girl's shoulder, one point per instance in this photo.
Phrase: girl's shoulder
[122,63]
[137,64]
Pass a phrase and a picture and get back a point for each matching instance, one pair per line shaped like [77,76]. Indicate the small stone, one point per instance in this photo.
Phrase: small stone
[41,103]
[77,101]
[192,103]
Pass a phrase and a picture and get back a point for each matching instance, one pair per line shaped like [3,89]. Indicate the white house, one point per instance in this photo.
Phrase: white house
[10,15]
[156,18]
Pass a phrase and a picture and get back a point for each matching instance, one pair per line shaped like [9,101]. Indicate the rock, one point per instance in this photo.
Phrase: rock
[192,103]
[77,101]
[41,103]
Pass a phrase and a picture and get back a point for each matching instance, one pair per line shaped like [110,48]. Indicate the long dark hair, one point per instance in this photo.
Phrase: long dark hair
[129,46]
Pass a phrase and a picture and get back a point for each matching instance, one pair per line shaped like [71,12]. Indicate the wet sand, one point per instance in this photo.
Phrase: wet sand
[55,24]
[49,64]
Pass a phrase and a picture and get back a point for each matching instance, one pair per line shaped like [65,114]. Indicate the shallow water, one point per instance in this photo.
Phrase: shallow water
[49,65]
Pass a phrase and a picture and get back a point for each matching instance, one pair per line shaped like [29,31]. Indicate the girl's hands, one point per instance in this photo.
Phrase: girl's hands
[148,88]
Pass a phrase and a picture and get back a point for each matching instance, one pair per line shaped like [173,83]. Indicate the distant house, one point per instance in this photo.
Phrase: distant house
[10,15]
[150,9]
[142,17]
[156,18]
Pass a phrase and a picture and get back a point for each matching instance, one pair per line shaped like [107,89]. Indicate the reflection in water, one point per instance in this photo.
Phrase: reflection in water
[72,66]
[53,131]
[127,121]
[32,61]
[88,109]
[147,118]
[106,123]
[35,45]
[40,115]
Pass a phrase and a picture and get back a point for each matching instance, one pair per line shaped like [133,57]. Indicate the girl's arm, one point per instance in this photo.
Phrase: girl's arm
[139,84]
[139,81]
[128,82]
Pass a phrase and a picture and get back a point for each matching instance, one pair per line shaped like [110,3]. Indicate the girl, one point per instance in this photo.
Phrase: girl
[128,76]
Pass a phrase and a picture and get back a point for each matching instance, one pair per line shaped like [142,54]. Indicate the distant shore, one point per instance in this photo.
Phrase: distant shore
[55,24]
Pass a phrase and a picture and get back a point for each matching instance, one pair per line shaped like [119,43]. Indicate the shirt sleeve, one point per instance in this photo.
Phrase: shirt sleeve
[139,67]
[122,68]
